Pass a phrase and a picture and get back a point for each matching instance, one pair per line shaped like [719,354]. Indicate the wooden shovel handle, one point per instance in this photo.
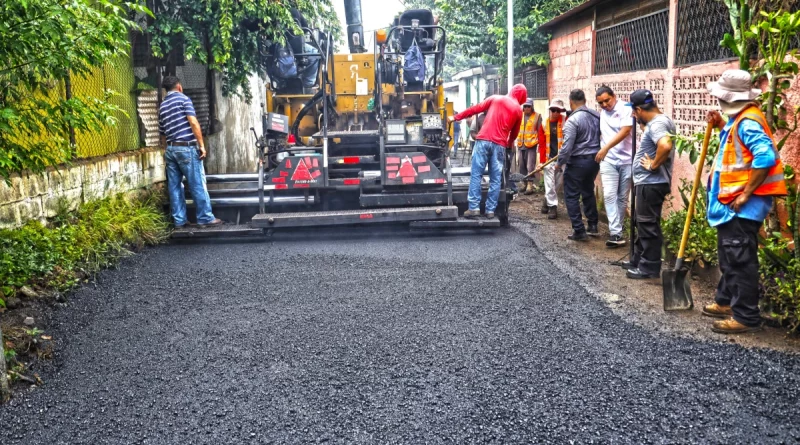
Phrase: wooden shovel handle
[695,186]
[541,167]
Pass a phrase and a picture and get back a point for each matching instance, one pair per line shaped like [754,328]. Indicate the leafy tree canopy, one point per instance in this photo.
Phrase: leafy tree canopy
[477,28]
[220,32]
[43,42]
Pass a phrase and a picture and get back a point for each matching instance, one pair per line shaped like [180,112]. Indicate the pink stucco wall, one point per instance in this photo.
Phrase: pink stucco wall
[680,91]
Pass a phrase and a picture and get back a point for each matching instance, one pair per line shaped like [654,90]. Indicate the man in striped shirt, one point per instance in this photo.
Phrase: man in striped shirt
[180,131]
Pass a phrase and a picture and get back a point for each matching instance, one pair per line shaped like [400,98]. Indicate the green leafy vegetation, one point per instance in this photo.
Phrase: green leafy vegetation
[43,43]
[702,244]
[478,30]
[780,281]
[76,245]
[228,36]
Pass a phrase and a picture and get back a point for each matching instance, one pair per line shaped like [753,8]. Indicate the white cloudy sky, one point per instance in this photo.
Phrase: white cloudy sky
[375,14]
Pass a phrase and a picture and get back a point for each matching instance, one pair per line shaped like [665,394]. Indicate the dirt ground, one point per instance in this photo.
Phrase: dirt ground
[638,301]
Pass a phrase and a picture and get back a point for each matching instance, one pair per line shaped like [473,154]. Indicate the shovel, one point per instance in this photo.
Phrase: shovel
[677,292]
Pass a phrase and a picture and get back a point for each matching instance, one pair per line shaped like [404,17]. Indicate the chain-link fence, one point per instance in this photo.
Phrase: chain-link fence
[117,76]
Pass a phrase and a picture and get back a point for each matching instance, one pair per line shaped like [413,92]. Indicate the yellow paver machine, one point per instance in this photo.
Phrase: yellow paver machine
[355,138]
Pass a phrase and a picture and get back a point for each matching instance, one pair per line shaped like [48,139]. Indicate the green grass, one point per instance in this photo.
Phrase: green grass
[77,244]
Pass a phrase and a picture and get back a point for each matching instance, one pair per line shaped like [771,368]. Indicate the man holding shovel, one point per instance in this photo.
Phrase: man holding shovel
[747,173]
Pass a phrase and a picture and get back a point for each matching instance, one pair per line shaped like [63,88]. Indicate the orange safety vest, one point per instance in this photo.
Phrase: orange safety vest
[544,149]
[737,163]
[528,131]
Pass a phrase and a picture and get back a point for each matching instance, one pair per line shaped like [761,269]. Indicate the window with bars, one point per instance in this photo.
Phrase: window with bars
[635,45]
[701,26]
[536,83]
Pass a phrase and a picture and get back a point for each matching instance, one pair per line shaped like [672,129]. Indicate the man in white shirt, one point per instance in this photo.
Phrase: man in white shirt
[615,157]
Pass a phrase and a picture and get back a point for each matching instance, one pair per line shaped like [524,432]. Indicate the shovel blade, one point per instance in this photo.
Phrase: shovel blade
[677,292]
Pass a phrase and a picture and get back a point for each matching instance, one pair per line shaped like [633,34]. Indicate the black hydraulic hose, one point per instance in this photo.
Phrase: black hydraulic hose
[305,110]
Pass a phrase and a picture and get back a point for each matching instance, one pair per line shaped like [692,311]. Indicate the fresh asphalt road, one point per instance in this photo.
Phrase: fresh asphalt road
[382,337]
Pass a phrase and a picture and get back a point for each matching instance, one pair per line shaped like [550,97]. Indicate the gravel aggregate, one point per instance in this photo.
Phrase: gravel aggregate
[376,336]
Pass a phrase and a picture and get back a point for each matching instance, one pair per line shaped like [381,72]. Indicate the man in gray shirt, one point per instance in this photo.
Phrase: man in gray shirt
[581,144]
[652,179]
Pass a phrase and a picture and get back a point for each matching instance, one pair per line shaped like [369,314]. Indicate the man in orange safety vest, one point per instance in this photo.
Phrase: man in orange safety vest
[747,173]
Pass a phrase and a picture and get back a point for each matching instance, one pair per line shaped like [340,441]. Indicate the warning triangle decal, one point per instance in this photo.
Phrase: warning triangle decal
[406,169]
[301,173]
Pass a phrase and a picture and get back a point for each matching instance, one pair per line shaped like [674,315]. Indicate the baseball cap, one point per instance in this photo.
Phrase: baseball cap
[641,97]
[528,103]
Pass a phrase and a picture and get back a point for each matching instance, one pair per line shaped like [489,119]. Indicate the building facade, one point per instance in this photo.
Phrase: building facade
[670,47]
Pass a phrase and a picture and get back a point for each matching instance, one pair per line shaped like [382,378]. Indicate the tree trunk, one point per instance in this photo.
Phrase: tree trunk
[773,222]
[770,112]
[795,219]
[5,394]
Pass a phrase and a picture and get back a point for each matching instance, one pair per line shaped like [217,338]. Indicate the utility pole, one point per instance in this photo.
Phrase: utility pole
[510,44]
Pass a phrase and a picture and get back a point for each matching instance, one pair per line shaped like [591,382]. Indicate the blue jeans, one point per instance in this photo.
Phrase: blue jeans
[486,152]
[185,162]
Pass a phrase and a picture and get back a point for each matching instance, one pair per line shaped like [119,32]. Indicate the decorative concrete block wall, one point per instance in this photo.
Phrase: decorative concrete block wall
[37,196]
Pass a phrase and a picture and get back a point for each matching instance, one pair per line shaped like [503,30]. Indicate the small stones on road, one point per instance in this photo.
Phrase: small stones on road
[29,321]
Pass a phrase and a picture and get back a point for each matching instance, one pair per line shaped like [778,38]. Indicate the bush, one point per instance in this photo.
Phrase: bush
[702,244]
[780,281]
[78,244]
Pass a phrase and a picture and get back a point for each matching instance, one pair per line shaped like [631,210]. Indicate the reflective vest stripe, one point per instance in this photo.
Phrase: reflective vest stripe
[737,163]
[528,132]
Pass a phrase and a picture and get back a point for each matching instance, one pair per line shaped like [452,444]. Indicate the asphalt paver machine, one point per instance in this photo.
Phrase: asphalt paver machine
[368,143]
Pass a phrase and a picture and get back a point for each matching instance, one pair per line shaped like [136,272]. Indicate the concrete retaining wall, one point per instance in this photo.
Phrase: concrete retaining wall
[30,196]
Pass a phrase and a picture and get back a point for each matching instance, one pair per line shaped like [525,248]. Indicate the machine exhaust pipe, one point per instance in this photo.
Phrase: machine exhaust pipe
[355,30]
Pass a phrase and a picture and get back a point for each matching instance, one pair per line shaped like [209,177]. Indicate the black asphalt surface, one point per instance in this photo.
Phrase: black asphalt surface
[374,337]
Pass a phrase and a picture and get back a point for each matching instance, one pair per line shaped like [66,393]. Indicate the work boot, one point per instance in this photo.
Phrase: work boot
[717,311]
[531,189]
[545,208]
[489,215]
[472,214]
[578,236]
[552,212]
[216,222]
[731,326]
[592,230]
[637,274]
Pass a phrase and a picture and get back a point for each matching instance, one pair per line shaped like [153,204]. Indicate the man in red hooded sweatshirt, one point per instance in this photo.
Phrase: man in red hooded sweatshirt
[498,133]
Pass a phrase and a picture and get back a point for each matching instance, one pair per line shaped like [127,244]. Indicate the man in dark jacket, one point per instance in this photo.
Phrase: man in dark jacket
[581,144]
[498,133]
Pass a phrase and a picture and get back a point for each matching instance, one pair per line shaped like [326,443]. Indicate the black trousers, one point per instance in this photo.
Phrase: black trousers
[509,157]
[579,178]
[649,239]
[737,246]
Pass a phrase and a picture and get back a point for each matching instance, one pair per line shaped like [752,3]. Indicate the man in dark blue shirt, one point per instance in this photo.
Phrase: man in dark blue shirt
[180,132]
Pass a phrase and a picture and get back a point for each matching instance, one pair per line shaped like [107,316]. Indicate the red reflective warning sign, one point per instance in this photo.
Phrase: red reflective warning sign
[406,169]
[419,159]
[301,173]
